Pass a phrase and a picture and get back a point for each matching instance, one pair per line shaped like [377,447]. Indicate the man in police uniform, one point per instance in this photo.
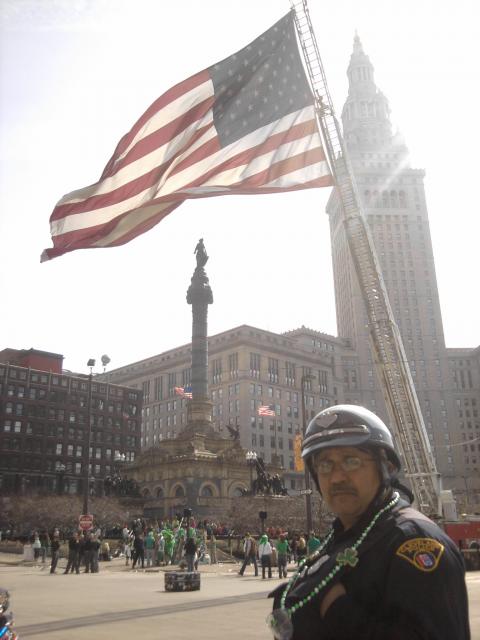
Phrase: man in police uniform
[385,571]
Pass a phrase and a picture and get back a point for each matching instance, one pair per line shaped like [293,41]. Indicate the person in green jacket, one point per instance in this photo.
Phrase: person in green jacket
[313,543]
[150,548]
[282,555]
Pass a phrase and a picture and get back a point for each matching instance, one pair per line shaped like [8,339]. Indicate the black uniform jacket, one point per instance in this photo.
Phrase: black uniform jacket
[408,584]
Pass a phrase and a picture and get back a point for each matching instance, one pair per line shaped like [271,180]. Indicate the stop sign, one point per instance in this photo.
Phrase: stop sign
[85,522]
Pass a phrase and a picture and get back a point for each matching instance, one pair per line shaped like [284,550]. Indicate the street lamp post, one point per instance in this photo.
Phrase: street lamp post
[118,462]
[251,457]
[308,489]
[86,482]
[60,474]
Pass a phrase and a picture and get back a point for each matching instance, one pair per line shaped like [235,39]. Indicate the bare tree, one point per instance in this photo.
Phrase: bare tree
[27,514]
[286,512]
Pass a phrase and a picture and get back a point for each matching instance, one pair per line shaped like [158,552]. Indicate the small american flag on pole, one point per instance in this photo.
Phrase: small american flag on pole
[266,410]
[185,392]
[244,125]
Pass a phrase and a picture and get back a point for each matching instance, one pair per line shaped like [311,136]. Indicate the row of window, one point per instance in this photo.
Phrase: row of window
[57,415]
[33,463]
[50,379]
[273,376]
[58,448]
[386,199]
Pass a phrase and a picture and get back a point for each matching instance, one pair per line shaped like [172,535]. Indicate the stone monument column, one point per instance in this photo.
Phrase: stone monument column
[199,295]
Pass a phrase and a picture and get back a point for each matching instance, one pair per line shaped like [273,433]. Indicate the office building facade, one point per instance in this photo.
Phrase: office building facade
[392,195]
[45,416]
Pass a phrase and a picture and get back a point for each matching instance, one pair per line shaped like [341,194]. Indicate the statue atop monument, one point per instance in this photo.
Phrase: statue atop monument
[202,256]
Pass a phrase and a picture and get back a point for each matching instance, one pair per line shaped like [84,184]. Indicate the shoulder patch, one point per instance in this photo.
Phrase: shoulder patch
[423,553]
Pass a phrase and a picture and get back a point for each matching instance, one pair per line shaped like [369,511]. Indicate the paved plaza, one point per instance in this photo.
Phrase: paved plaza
[121,603]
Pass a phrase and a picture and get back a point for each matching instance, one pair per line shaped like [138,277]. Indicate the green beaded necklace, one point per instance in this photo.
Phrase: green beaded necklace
[347,557]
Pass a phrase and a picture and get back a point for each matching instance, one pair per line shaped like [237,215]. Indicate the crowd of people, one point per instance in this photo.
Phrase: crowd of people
[84,550]
[183,542]
[170,542]
[277,547]
[176,541]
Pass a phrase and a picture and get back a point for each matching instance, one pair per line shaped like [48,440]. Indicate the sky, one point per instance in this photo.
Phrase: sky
[74,77]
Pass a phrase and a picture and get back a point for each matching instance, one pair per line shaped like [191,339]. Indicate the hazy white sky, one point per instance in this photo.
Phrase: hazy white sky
[76,74]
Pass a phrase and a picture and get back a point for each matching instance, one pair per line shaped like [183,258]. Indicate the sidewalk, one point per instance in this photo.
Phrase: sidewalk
[116,564]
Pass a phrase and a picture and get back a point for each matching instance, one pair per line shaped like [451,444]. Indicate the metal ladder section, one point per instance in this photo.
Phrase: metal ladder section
[389,354]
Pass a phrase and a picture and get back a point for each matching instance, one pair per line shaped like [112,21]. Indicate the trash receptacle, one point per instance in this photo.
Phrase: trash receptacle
[28,552]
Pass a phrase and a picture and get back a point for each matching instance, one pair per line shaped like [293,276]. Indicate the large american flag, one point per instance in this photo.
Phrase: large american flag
[245,125]
[266,410]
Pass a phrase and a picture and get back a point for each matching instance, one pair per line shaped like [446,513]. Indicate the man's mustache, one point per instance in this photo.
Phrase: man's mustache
[342,489]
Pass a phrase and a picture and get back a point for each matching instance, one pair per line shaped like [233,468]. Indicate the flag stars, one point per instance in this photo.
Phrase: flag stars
[259,85]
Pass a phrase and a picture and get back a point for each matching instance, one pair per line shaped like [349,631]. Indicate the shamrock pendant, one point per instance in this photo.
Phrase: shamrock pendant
[348,557]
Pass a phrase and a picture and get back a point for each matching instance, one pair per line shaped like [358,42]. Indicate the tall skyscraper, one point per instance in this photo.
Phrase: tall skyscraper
[393,198]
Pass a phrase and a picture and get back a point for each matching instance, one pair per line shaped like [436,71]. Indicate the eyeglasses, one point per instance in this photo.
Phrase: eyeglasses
[347,464]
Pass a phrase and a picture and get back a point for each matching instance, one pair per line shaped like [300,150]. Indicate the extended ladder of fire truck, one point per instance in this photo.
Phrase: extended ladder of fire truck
[391,362]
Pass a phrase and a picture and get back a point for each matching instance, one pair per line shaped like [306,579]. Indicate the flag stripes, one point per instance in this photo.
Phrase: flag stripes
[182,148]
[266,410]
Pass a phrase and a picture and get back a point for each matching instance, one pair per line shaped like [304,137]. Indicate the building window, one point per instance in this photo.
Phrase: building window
[233,365]
[206,492]
[187,378]
[273,370]
[255,365]
[290,374]
[217,371]
[158,389]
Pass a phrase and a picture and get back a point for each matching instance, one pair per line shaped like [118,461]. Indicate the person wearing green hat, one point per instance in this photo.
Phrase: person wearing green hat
[265,555]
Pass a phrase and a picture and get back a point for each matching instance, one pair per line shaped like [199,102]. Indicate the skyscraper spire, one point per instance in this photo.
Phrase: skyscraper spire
[366,113]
